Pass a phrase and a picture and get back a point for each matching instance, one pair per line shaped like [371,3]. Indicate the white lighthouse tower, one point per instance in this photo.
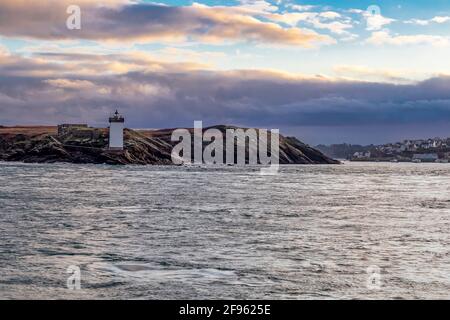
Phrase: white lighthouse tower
[116,131]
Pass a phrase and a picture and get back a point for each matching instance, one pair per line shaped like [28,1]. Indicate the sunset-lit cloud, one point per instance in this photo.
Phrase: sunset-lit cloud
[141,22]
[399,76]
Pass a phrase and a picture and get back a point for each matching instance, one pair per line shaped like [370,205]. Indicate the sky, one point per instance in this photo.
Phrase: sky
[352,71]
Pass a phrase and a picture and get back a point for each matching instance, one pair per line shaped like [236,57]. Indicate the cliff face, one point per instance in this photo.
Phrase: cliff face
[47,148]
[141,147]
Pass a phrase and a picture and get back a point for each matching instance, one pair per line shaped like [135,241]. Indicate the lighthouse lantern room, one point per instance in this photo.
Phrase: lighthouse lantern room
[116,131]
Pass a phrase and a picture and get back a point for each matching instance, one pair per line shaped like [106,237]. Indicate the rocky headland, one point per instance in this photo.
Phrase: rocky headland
[142,147]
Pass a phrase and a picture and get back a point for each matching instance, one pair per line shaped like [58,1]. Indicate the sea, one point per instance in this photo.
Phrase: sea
[350,231]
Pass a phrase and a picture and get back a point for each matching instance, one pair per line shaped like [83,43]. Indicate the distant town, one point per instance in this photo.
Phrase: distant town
[421,150]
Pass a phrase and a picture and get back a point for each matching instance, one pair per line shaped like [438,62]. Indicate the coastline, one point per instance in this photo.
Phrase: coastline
[43,144]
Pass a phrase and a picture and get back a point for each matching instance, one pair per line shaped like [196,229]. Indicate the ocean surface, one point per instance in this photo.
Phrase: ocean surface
[358,230]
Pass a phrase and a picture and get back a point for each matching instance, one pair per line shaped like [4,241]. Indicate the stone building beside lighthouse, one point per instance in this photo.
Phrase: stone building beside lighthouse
[116,126]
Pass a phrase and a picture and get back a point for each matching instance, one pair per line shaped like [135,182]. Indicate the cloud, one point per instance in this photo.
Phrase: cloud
[62,62]
[140,22]
[258,6]
[440,19]
[70,84]
[3,51]
[377,22]
[298,7]
[330,15]
[421,22]
[319,20]
[292,18]
[364,73]
[374,21]
[335,27]
[384,37]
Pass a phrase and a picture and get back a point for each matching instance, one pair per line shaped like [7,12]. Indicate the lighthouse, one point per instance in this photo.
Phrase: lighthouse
[116,124]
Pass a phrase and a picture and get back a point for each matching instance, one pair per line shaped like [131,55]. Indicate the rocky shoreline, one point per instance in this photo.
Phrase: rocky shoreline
[142,147]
